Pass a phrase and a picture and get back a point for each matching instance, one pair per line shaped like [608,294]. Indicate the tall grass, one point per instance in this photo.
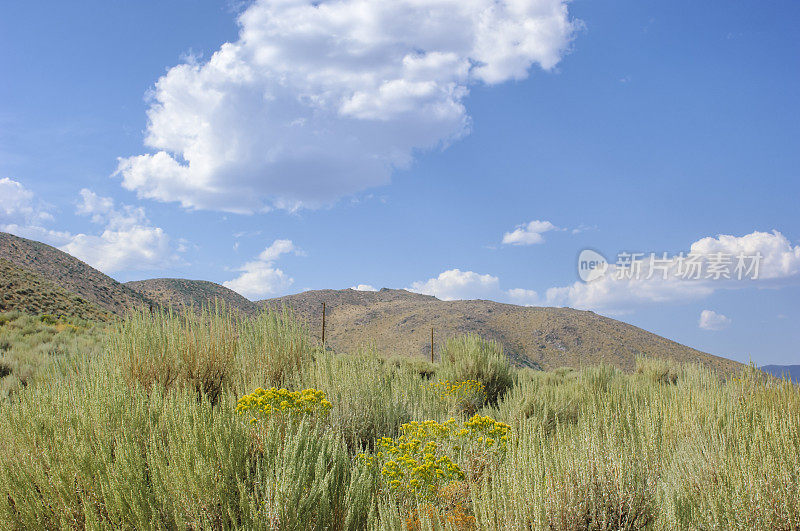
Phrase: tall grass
[144,434]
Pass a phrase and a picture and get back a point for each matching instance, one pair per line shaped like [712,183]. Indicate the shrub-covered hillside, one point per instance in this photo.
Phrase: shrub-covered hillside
[214,420]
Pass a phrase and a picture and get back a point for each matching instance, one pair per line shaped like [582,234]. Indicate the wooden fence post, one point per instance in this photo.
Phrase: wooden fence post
[431,344]
[323,325]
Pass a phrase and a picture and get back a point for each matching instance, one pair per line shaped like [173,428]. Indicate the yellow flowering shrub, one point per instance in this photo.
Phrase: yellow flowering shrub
[466,397]
[423,457]
[262,403]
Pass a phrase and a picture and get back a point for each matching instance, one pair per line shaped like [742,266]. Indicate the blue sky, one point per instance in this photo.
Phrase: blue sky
[359,144]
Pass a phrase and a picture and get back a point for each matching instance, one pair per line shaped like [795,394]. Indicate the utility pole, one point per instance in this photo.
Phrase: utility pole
[431,344]
[323,325]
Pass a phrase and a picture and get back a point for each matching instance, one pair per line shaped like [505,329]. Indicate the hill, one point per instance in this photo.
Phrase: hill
[29,293]
[779,371]
[397,322]
[179,293]
[69,274]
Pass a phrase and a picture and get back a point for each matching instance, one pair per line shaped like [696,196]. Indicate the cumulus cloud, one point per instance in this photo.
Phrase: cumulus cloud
[364,287]
[529,233]
[316,100]
[523,297]
[22,214]
[456,284]
[711,320]
[661,281]
[128,242]
[260,278]
[648,282]
[18,206]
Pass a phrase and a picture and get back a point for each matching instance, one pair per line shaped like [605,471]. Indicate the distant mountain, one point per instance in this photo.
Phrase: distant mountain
[399,322]
[39,278]
[779,371]
[69,274]
[179,293]
[27,292]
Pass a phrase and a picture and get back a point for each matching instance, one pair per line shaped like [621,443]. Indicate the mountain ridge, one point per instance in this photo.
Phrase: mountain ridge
[180,293]
[389,321]
[70,274]
[398,322]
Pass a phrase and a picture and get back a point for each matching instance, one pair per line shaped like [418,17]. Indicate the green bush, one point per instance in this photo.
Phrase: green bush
[470,357]
[274,348]
[120,437]
[369,400]
[162,349]
[658,370]
[46,318]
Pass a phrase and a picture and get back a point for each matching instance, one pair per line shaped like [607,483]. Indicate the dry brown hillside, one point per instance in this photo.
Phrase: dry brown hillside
[27,292]
[69,273]
[179,293]
[397,322]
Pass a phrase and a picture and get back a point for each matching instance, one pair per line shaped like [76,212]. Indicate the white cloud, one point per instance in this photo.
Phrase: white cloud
[316,100]
[128,241]
[276,249]
[524,297]
[260,278]
[364,287]
[18,206]
[528,234]
[711,320]
[780,262]
[456,284]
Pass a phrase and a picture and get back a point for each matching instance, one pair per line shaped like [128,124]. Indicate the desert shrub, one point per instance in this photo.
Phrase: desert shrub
[744,473]
[470,357]
[462,398]
[7,317]
[368,400]
[658,370]
[426,455]
[543,400]
[424,368]
[264,403]
[46,318]
[88,445]
[274,348]
[600,491]
[195,349]
[33,354]
[599,378]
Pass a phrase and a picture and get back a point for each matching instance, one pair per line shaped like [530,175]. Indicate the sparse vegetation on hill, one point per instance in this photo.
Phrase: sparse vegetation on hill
[32,347]
[29,293]
[398,323]
[165,427]
[180,293]
[69,273]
